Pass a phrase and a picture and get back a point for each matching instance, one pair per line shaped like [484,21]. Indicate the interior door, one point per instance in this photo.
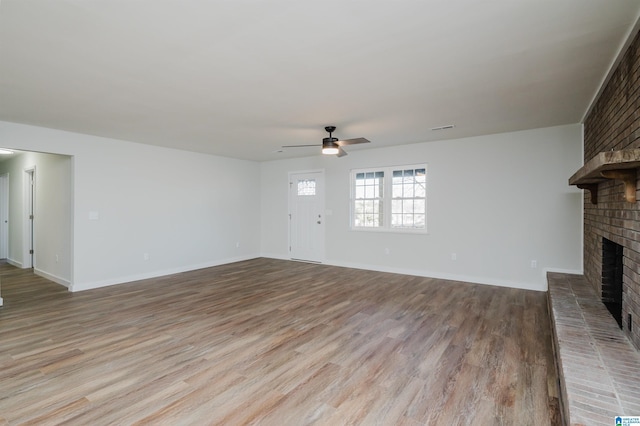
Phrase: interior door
[29,258]
[4,216]
[306,216]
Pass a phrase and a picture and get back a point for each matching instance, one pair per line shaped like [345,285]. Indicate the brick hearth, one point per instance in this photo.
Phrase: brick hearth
[598,367]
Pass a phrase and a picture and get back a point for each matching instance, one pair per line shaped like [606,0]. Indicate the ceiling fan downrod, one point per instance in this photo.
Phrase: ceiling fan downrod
[330,130]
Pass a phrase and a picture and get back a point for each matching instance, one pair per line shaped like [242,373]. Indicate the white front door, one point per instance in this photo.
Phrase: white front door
[306,216]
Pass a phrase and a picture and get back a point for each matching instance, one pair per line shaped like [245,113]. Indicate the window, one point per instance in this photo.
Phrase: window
[367,211]
[409,198]
[390,198]
[306,187]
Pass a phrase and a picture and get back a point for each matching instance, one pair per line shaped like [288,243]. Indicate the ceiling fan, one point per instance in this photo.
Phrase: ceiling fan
[331,145]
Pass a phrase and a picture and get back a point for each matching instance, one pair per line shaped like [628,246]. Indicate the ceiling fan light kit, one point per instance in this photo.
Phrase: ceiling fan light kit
[331,145]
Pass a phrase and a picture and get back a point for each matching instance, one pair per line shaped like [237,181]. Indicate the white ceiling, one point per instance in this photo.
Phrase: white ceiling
[241,78]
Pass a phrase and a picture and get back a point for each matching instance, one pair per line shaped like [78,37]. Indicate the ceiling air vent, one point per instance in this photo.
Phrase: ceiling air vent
[448,126]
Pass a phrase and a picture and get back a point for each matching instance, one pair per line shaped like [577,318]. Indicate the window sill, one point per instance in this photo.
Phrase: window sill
[391,231]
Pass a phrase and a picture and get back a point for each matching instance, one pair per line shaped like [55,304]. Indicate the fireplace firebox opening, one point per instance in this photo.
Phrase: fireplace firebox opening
[612,256]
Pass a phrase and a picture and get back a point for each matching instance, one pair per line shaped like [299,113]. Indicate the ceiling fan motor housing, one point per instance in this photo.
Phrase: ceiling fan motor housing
[329,143]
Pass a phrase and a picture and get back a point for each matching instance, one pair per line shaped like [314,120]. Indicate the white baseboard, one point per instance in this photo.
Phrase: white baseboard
[52,277]
[430,274]
[275,256]
[14,263]
[441,275]
[563,271]
[414,272]
[155,274]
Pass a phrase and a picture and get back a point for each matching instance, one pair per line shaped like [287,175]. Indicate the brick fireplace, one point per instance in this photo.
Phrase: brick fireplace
[613,124]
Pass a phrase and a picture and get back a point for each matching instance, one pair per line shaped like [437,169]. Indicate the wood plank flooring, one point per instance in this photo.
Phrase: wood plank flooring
[274,342]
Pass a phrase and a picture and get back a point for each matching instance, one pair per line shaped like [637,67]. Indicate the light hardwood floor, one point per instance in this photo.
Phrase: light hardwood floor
[277,343]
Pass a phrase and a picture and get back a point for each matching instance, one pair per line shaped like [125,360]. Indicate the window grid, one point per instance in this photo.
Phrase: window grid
[368,196]
[408,207]
[306,187]
[396,203]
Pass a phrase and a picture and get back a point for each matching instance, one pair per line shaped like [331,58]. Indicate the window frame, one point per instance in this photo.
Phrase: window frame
[386,199]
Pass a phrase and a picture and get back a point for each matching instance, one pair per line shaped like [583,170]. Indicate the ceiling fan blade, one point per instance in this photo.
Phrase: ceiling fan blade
[299,146]
[353,141]
[341,152]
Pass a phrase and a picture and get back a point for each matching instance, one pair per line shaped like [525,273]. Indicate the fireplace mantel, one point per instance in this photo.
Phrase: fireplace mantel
[618,165]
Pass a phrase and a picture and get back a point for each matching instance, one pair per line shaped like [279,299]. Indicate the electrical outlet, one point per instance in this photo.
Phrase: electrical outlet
[534,264]
[238,244]
[145,256]
[387,251]
[454,256]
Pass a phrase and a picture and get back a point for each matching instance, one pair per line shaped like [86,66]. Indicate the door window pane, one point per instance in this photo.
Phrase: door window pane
[306,187]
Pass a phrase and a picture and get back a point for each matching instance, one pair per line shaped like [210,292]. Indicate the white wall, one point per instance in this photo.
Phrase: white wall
[53,215]
[185,210]
[52,212]
[497,201]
